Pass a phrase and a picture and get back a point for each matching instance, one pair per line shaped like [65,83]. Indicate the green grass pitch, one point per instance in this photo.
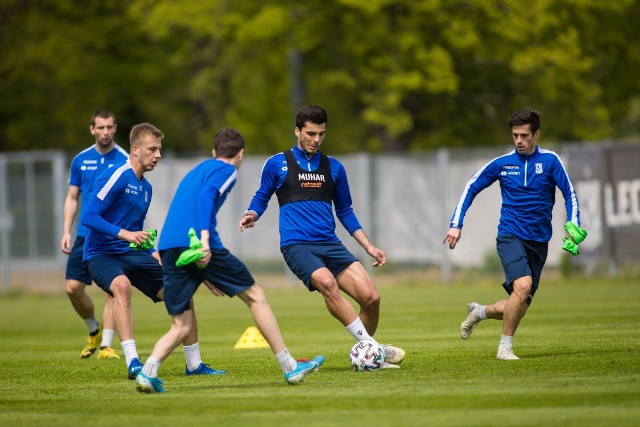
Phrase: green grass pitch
[579,348]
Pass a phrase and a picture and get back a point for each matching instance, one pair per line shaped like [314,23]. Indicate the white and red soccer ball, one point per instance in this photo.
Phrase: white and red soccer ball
[367,356]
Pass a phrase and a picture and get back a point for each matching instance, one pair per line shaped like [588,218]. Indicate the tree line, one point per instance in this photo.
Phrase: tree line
[394,75]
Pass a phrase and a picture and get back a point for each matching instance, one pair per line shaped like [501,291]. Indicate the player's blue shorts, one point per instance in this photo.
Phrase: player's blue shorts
[521,258]
[305,258]
[76,268]
[142,270]
[225,271]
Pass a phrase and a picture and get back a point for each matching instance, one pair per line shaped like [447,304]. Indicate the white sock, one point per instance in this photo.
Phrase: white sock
[506,341]
[92,324]
[151,367]
[107,337]
[286,361]
[358,331]
[482,312]
[192,356]
[130,350]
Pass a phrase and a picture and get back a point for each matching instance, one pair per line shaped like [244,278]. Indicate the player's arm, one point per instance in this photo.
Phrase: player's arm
[362,238]
[96,208]
[269,183]
[342,199]
[563,182]
[480,180]
[70,210]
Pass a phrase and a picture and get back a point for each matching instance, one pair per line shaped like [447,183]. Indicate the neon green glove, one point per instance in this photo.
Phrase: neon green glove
[570,246]
[577,234]
[147,244]
[193,254]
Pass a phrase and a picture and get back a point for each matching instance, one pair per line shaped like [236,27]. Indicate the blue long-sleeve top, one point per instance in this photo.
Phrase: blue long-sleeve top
[309,220]
[196,203]
[85,169]
[528,187]
[119,201]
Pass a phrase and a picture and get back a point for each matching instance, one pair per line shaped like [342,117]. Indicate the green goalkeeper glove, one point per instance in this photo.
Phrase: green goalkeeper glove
[147,244]
[193,254]
[577,235]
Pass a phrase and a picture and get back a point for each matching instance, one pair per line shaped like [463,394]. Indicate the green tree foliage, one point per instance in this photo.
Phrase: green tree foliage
[393,75]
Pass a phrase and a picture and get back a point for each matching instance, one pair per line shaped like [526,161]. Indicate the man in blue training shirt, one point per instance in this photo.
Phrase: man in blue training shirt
[195,205]
[115,216]
[86,166]
[528,178]
[308,185]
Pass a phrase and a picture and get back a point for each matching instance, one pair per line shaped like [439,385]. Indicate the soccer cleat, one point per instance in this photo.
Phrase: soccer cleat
[145,384]
[107,352]
[393,355]
[319,360]
[506,353]
[302,369]
[471,321]
[134,368]
[204,369]
[93,341]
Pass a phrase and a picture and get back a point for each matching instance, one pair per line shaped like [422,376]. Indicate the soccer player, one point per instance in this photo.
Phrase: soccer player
[86,166]
[196,202]
[115,216]
[528,178]
[308,185]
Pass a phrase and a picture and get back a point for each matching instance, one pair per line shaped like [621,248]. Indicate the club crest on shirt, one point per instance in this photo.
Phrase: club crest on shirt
[538,168]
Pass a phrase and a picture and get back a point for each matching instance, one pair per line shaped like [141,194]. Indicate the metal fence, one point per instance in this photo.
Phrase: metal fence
[404,202]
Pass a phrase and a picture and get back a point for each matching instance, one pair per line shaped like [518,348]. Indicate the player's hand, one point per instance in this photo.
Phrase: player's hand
[136,237]
[214,290]
[452,237]
[378,254]
[202,262]
[248,220]
[65,243]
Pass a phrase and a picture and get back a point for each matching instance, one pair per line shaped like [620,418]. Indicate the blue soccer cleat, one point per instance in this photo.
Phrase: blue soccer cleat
[303,368]
[204,369]
[134,368]
[145,384]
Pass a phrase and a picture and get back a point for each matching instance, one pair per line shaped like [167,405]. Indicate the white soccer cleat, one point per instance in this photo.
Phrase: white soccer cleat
[393,355]
[471,321]
[506,353]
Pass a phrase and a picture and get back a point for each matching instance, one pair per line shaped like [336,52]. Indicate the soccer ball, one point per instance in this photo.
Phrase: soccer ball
[367,356]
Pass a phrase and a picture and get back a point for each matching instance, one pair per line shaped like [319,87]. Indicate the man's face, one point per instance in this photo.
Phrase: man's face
[310,137]
[147,152]
[524,140]
[103,130]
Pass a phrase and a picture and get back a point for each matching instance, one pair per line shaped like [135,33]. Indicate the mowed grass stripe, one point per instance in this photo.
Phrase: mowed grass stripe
[578,345]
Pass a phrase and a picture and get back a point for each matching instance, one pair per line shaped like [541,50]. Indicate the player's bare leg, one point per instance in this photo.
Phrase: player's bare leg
[514,310]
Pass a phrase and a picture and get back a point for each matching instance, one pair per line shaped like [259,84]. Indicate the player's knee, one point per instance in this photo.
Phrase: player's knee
[522,287]
[74,288]
[372,299]
[254,295]
[121,288]
[327,285]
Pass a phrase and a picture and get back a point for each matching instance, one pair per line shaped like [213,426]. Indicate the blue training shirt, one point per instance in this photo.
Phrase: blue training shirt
[119,201]
[196,202]
[528,188]
[309,220]
[85,169]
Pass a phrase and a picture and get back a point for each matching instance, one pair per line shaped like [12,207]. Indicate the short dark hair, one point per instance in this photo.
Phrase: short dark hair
[227,142]
[143,129]
[311,113]
[526,116]
[103,114]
